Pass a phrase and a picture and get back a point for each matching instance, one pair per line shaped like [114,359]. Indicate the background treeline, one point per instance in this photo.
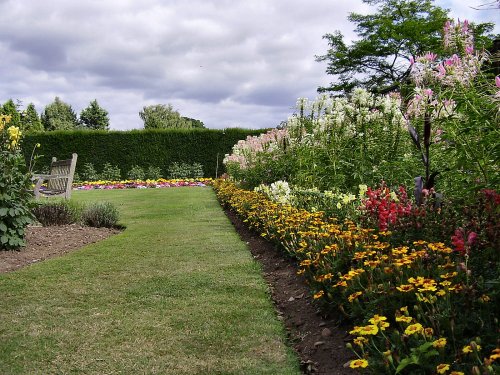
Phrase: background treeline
[158,148]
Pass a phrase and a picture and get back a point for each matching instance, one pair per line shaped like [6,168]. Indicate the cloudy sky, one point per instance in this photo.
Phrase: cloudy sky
[228,63]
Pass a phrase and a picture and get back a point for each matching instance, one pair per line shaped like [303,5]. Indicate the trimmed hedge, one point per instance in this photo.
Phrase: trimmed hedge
[124,149]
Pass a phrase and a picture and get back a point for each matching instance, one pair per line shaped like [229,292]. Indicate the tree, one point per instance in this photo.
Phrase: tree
[59,116]
[30,121]
[390,39]
[9,108]
[162,116]
[94,117]
[195,123]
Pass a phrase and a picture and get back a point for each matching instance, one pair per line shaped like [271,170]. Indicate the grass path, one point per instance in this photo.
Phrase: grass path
[176,293]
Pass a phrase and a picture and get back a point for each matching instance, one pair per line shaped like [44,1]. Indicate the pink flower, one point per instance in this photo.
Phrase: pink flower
[497,81]
[471,238]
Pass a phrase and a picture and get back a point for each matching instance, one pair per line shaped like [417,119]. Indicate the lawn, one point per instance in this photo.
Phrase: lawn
[176,293]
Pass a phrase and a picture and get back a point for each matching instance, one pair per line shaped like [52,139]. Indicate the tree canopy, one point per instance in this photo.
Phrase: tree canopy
[30,121]
[94,117]
[10,108]
[161,116]
[59,116]
[380,59]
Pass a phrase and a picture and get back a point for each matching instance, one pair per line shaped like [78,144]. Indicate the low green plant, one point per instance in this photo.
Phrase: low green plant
[110,173]
[57,212]
[100,214]
[89,173]
[185,170]
[136,173]
[153,173]
[15,184]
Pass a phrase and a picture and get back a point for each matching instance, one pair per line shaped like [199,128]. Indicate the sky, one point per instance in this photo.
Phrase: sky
[228,63]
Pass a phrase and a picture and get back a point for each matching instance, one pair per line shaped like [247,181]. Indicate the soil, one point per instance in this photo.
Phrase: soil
[48,242]
[318,339]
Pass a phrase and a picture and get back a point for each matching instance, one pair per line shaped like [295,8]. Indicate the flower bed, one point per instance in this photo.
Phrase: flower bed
[138,184]
[416,306]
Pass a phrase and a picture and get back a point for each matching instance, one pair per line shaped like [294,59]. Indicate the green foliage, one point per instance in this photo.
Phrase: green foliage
[100,214]
[57,212]
[185,170]
[153,173]
[380,59]
[162,116]
[15,183]
[9,108]
[30,121]
[89,173]
[110,173]
[94,117]
[195,123]
[136,173]
[146,148]
[59,116]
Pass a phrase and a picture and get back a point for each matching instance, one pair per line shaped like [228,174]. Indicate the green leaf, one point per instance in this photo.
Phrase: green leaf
[3,211]
[3,227]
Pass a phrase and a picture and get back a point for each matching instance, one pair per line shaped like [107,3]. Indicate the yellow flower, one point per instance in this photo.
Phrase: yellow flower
[484,298]
[457,373]
[358,363]
[318,295]
[467,349]
[368,330]
[442,368]
[428,332]
[379,321]
[404,319]
[439,343]
[360,341]
[306,262]
[404,309]
[405,288]
[414,328]
[354,296]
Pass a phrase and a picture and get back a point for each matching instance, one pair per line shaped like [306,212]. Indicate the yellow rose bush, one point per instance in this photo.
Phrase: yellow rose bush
[15,184]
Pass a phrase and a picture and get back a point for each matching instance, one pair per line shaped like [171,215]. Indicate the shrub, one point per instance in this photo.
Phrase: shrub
[110,173]
[136,173]
[15,184]
[100,214]
[89,173]
[153,173]
[185,170]
[57,212]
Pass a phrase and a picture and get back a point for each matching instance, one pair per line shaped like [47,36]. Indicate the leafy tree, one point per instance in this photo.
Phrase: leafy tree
[59,116]
[94,117]
[30,121]
[195,123]
[162,116]
[10,109]
[389,39]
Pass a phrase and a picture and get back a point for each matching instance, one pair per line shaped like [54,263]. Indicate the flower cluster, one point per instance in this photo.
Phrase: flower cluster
[136,184]
[408,301]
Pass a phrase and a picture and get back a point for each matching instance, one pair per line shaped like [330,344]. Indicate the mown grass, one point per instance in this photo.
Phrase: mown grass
[176,293]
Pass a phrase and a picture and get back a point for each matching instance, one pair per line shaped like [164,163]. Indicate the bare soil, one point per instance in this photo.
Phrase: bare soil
[48,242]
[318,339]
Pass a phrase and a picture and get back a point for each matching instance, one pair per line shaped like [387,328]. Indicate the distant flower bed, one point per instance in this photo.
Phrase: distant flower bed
[138,184]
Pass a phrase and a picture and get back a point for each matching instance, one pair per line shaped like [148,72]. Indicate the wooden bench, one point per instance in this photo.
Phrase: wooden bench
[59,180]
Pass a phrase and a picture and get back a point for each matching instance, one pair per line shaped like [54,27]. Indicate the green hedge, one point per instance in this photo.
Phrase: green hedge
[158,148]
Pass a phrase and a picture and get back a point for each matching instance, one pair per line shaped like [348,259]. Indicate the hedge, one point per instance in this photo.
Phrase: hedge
[124,149]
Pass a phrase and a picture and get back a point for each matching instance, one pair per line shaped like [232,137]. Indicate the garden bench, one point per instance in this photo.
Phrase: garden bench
[59,180]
